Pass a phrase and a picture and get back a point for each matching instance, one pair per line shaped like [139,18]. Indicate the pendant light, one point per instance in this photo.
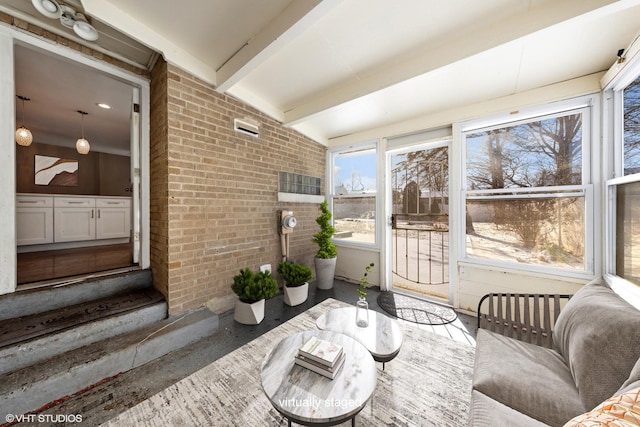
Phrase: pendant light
[82,145]
[23,135]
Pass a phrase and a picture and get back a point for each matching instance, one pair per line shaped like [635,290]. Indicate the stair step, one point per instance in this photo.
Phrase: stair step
[36,338]
[33,301]
[24,328]
[28,389]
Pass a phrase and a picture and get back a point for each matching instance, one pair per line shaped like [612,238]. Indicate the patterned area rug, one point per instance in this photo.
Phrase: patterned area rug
[416,310]
[427,384]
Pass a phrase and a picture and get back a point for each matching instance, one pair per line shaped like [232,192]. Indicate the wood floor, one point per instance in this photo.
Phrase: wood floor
[48,265]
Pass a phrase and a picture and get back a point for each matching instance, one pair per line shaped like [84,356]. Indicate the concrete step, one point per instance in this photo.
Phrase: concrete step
[27,340]
[39,300]
[28,389]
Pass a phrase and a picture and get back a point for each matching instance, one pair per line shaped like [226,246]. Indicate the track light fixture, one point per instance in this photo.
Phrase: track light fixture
[68,17]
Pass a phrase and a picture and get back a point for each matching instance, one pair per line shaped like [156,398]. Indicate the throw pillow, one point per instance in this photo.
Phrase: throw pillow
[618,411]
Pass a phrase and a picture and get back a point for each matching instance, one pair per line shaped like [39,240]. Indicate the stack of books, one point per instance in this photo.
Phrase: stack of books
[320,356]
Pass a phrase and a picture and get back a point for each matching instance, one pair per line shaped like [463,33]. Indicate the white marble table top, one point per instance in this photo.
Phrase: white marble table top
[383,336]
[304,396]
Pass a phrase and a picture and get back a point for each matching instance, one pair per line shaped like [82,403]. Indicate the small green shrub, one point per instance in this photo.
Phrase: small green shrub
[251,287]
[294,274]
[364,282]
[326,248]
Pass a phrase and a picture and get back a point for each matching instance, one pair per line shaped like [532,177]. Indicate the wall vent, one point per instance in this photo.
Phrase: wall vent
[246,128]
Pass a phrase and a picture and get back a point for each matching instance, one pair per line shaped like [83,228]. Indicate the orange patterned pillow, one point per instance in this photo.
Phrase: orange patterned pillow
[622,410]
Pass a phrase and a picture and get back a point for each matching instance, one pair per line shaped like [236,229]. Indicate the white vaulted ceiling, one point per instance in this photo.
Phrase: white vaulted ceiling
[338,67]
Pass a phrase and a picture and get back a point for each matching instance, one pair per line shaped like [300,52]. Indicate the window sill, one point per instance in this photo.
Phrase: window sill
[299,198]
[627,290]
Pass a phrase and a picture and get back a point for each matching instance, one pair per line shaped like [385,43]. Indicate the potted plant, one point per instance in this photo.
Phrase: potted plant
[252,290]
[296,282]
[362,306]
[325,260]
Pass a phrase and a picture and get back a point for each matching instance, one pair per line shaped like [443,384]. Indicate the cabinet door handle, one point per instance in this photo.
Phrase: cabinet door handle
[75,203]
[98,213]
[27,201]
[92,213]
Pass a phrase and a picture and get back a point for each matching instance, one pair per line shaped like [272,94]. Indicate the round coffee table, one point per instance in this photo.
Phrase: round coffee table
[308,398]
[382,337]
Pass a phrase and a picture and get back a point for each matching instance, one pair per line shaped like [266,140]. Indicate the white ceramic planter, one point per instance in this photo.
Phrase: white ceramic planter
[296,295]
[249,314]
[325,270]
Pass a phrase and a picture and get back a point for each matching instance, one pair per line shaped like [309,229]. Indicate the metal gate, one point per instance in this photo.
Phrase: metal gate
[420,221]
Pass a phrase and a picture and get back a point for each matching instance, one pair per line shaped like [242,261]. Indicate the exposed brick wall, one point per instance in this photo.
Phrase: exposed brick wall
[159,177]
[222,192]
[213,202]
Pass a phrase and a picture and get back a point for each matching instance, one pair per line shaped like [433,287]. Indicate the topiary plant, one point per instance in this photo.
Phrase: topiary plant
[323,238]
[294,274]
[251,287]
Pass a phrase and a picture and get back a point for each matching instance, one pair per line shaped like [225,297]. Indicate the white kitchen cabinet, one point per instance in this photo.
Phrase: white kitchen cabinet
[74,219]
[34,220]
[113,218]
[46,219]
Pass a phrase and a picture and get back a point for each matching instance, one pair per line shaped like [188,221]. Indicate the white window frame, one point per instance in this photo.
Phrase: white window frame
[332,154]
[589,107]
[613,113]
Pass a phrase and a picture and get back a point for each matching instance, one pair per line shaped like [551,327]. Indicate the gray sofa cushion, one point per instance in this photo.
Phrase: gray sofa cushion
[598,334]
[486,412]
[530,379]
[633,381]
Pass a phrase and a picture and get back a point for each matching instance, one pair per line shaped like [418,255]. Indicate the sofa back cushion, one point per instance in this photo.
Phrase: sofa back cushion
[633,381]
[598,334]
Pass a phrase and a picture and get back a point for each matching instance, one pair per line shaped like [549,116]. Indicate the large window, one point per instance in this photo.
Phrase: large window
[628,231]
[354,194]
[624,188]
[527,191]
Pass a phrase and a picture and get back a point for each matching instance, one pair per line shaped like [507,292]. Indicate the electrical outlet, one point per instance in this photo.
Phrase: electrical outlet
[265,267]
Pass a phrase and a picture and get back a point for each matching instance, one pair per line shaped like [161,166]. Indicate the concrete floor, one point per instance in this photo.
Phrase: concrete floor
[115,395]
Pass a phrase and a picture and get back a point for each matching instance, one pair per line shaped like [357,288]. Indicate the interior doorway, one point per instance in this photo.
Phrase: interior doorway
[77,214]
[419,238]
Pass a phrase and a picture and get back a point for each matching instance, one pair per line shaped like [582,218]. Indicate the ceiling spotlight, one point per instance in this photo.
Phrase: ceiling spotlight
[68,18]
[103,105]
[83,29]
[49,8]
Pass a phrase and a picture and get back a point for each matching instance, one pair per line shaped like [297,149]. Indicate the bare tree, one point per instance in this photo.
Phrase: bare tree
[557,144]
[546,152]
[632,127]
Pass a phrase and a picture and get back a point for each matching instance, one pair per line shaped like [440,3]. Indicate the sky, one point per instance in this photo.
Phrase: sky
[357,170]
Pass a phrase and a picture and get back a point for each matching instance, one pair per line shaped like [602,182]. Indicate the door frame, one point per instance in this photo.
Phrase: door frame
[9,37]
[387,247]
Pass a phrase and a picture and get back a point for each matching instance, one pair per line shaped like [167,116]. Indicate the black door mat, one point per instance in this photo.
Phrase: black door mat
[416,310]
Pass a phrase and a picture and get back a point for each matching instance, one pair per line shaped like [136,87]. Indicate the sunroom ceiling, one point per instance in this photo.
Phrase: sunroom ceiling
[338,67]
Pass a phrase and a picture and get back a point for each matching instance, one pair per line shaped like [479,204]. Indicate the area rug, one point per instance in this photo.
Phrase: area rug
[415,310]
[427,384]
